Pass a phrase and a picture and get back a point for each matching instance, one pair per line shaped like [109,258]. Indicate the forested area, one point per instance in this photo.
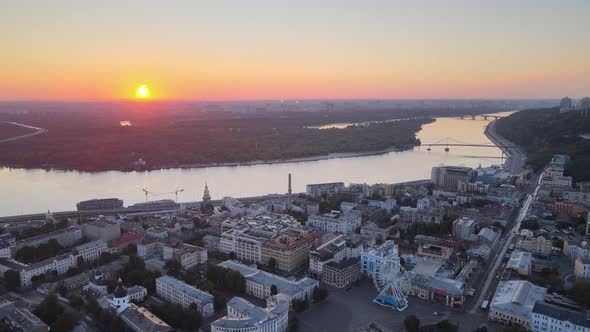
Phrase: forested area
[546,132]
[83,142]
[8,130]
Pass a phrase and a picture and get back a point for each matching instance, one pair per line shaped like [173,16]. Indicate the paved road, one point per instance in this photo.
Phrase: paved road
[38,131]
[514,164]
[505,244]
[349,310]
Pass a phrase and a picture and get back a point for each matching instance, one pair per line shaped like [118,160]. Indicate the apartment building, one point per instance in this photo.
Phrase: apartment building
[29,272]
[323,189]
[259,283]
[538,245]
[65,237]
[336,222]
[551,318]
[450,177]
[177,292]
[268,236]
[337,261]
[187,255]
[91,251]
[101,229]
[290,249]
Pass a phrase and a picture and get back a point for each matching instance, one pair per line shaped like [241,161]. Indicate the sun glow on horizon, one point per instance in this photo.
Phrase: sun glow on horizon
[142,92]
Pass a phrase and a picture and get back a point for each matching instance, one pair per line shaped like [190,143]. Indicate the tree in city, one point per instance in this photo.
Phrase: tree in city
[272,264]
[173,267]
[76,301]
[131,249]
[580,292]
[293,324]
[224,278]
[274,290]
[412,323]
[49,309]
[61,289]
[189,319]
[12,279]
[300,305]
[445,326]
[319,294]
[65,322]
[80,263]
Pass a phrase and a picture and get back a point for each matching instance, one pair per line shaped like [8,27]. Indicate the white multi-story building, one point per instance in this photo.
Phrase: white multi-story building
[259,283]
[513,302]
[265,236]
[60,264]
[91,251]
[178,292]
[373,256]
[243,316]
[336,222]
[551,318]
[246,248]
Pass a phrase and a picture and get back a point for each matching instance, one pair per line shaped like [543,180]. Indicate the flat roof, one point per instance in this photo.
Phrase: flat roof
[187,289]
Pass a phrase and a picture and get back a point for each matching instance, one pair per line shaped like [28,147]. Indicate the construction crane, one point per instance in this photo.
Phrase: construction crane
[175,192]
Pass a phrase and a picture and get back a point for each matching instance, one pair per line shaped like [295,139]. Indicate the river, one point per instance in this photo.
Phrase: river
[32,191]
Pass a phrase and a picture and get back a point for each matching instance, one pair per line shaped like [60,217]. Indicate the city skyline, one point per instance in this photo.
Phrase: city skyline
[183,50]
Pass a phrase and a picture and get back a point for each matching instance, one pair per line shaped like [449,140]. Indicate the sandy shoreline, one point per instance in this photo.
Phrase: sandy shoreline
[335,155]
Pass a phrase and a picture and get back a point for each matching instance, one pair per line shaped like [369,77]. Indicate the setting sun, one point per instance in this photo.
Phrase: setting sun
[142,92]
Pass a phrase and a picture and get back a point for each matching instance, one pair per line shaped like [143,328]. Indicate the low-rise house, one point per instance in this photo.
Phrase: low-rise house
[21,319]
[521,262]
[139,319]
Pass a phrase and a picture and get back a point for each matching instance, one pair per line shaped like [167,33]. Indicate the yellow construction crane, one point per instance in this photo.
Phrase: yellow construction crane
[175,192]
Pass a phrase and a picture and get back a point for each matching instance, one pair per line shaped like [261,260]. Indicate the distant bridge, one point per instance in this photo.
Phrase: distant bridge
[447,142]
[480,116]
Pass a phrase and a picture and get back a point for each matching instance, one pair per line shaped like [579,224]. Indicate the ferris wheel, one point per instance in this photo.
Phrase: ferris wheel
[389,279]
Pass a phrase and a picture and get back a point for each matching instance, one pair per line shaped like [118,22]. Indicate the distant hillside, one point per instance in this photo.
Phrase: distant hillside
[545,132]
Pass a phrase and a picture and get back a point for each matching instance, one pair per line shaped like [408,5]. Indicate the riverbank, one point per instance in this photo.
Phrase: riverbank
[515,157]
[336,155]
[60,190]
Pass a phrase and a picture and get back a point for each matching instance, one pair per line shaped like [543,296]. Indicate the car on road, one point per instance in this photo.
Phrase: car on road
[435,313]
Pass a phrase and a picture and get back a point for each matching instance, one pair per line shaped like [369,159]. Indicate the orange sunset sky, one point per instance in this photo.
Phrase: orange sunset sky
[221,50]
